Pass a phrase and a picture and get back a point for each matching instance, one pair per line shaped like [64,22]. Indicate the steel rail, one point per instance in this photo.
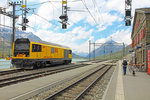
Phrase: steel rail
[93,83]
[18,70]
[12,80]
[52,97]
[10,71]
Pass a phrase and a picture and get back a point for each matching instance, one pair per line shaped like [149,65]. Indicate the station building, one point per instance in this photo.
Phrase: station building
[141,38]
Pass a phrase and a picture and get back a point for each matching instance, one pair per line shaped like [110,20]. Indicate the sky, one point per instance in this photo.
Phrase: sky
[105,22]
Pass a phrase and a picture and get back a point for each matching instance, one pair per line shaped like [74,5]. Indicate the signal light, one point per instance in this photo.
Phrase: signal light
[23,27]
[25,20]
[128,13]
[128,23]
[64,26]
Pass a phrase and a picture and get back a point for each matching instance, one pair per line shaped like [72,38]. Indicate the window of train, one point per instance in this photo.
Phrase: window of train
[36,48]
[52,50]
[70,52]
[22,46]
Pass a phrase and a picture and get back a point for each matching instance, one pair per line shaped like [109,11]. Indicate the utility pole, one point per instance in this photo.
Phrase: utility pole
[111,47]
[104,52]
[14,4]
[3,54]
[94,51]
[89,49]
[3,11]
[105,44]
[123,50]
[13,29]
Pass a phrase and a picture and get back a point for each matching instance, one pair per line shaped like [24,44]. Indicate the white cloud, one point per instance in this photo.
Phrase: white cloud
[80,33]
[101,27]
[122,36]
[46,11]
[104,19]
[5,20]
[4,3]
[69,38]
[33,0]
[110,11]
[102,40]
[117,5]
[36,21]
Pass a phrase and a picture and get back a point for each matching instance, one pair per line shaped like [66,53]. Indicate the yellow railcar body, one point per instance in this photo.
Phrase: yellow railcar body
[29,53]
[45,53]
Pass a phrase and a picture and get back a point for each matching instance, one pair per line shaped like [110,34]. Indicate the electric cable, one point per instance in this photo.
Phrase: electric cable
[83,2]
[50,1]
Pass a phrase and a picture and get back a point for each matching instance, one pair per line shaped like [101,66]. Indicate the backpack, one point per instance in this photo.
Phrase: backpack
[125,62]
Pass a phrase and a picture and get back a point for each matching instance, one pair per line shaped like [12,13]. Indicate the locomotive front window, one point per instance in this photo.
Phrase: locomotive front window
[22,46]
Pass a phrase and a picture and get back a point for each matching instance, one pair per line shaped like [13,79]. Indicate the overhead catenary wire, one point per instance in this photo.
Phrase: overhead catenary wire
[88,10]
[43,18]
[58,9]
[78,10]
[96,8]
[99,12]
[53,6]
[51,1]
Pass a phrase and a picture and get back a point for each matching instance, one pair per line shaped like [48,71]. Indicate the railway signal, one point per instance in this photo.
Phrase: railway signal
[64,17]
[25,20]
[24,11]
[128,8]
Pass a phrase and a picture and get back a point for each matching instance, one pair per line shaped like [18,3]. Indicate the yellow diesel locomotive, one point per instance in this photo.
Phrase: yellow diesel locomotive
[29,53]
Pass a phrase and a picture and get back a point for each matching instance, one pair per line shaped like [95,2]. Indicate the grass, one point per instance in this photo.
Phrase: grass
[5,50]
[115,55]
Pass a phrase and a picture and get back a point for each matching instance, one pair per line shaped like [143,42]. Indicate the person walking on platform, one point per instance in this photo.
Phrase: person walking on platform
[132,67]
[133,70]
[124,63]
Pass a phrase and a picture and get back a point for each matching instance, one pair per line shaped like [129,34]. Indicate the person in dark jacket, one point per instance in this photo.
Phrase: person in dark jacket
[124,64]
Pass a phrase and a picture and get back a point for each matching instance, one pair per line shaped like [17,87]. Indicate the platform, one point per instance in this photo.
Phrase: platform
[128,87]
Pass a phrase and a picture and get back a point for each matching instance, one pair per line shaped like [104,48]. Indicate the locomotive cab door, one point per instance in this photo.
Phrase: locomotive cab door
[66,54]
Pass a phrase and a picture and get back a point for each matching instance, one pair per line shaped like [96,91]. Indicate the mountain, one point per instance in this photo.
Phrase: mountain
[5,34]
[81,54]
[106,48]
[76,56]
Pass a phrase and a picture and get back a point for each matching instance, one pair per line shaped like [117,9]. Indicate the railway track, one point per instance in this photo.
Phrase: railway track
[78,89]
[29,76]
[2,73]
[10,72]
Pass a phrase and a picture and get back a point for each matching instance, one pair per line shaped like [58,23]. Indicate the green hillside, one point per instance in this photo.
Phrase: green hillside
[77,56]
[116,55]
[5,49]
